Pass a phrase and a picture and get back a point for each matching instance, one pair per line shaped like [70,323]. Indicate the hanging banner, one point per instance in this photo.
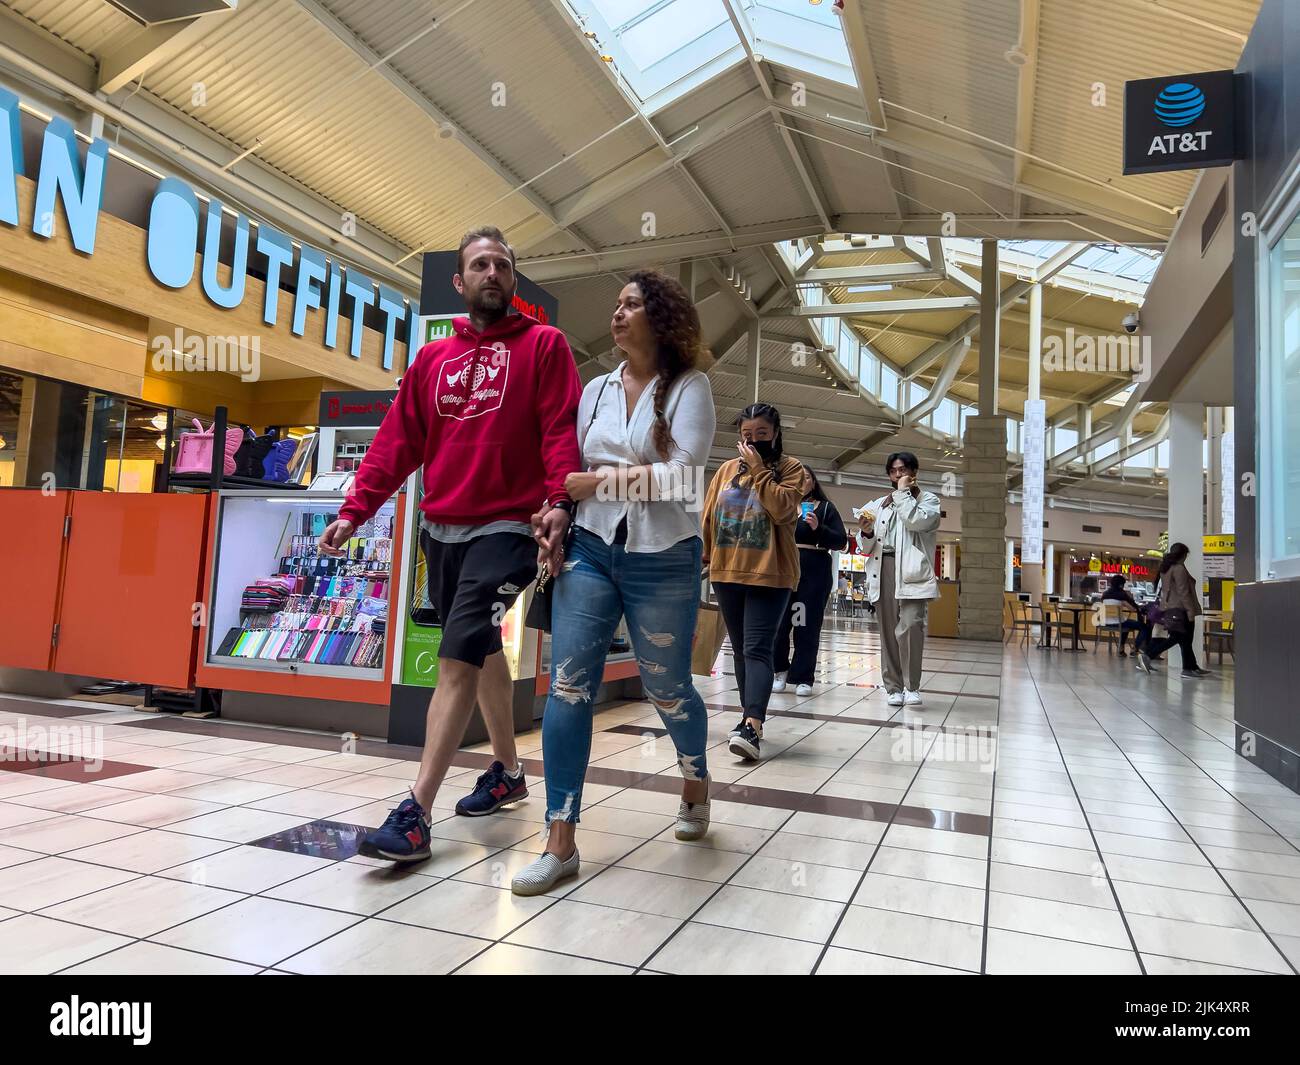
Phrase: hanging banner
[1031,503]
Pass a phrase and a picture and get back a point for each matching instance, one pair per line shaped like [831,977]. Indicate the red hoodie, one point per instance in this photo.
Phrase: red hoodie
[492,417]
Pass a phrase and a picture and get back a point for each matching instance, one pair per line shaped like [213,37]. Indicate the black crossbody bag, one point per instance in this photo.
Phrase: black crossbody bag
[542,606]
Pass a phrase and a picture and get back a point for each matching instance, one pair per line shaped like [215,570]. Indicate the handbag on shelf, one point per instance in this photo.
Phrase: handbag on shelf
[194,451]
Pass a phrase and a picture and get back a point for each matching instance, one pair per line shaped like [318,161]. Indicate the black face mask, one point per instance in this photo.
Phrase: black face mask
[766,449]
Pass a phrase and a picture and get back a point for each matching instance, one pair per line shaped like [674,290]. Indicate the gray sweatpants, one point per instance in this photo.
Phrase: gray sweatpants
[902,632]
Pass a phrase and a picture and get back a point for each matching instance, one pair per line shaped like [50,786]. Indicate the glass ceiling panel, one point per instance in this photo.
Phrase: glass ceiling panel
[1118,260]
[663,49]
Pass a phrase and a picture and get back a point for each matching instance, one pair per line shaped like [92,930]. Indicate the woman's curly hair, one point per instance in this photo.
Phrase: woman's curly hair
[675,323]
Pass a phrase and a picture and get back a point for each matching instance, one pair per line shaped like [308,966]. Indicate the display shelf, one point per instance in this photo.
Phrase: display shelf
[234,480]
[278,607]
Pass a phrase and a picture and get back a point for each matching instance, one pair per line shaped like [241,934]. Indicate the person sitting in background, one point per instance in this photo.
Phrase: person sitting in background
[1116,593]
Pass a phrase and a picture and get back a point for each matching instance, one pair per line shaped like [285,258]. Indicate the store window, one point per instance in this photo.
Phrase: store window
[888,387]
[60,435]
[1279,400]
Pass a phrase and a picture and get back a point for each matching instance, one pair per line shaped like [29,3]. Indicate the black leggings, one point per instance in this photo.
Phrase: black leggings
[752,614]
[809,602]
[1159,644]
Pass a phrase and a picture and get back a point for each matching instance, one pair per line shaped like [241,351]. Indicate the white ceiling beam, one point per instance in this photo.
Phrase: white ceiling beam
[152,45]
[903,306]
[1028,45]
[574,265]
[939,389]
[1058,262]
[853,20]
[879,273]
[740,23]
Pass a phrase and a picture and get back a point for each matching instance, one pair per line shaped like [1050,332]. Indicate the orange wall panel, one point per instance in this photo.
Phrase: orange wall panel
[130,587]
[33,546]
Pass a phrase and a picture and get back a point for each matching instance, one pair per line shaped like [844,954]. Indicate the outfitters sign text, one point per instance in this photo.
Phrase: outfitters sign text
[1181,122]
[181,229]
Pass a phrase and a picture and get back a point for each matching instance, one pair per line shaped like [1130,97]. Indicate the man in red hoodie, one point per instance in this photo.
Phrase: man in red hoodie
[490,413]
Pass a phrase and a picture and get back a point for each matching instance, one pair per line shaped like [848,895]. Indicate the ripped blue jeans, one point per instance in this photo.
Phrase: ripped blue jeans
[659,593]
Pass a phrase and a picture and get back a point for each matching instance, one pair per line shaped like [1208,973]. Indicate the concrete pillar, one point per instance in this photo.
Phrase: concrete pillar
[990,310]
[754,337]
[983,527]
[1187,487]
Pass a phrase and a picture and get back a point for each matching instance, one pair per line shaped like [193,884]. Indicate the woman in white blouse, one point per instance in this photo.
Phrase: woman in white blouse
[645,431]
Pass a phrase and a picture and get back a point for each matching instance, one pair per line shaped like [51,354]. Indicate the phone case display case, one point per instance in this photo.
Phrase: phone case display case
[279,604]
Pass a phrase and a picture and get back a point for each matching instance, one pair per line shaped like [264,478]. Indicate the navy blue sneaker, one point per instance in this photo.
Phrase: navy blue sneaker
[493,790]
[404,837]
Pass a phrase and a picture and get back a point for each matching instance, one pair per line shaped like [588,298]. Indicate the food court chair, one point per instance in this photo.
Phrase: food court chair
[1219,636]
[1108,620]
[1064,623]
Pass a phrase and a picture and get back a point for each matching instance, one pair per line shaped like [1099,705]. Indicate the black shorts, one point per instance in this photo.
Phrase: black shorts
[473,584]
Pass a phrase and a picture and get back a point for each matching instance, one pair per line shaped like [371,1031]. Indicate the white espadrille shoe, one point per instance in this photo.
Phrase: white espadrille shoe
[692,820]
[540,876]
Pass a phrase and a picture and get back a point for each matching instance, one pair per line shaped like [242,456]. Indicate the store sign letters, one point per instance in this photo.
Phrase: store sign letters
[1179,122]
[179,229]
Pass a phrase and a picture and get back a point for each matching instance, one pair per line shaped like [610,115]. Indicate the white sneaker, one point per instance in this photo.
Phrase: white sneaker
[803,689]
[911,698]
[778,682]
[895,699]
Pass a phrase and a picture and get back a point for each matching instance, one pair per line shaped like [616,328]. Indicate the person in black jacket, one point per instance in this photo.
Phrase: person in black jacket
[818,532]
[1116,592]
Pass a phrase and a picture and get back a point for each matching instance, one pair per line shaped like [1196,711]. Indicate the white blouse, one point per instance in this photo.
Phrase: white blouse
[676,485]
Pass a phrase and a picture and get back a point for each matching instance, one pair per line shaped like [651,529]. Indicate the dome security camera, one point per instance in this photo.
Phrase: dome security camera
[1131,322]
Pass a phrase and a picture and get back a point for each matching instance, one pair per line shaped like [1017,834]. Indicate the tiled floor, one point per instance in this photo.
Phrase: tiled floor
[1042,813]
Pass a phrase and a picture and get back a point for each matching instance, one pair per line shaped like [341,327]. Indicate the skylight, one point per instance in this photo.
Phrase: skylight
[663,49]
[1118,260]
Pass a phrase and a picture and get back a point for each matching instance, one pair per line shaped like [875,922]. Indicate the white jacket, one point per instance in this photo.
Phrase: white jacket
[920,518]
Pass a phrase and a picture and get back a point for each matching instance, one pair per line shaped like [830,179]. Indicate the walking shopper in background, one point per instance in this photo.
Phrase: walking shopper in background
[489,411]
[817,533]
[1116,592]
[1178,606]
[645,431]
[898,536]
[749,518]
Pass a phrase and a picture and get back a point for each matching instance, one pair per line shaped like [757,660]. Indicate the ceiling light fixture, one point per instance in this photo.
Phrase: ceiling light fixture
[1016,56]
[159,421]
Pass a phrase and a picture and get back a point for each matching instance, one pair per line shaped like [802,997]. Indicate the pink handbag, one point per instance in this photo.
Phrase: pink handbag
[194,451]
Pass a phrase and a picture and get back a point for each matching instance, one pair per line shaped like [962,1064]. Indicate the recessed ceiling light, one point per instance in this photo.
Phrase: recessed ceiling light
[1016,56]
[159,421]
[606,58]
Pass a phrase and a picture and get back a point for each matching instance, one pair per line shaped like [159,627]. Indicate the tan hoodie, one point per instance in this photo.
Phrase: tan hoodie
[749,523]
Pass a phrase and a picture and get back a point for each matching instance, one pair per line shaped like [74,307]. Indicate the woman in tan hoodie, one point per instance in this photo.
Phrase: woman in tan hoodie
[749,524]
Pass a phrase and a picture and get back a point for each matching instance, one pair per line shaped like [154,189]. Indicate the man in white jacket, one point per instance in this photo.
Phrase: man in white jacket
[898,534]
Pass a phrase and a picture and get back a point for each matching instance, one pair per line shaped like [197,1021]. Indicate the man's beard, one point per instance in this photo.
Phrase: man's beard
[490,303]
